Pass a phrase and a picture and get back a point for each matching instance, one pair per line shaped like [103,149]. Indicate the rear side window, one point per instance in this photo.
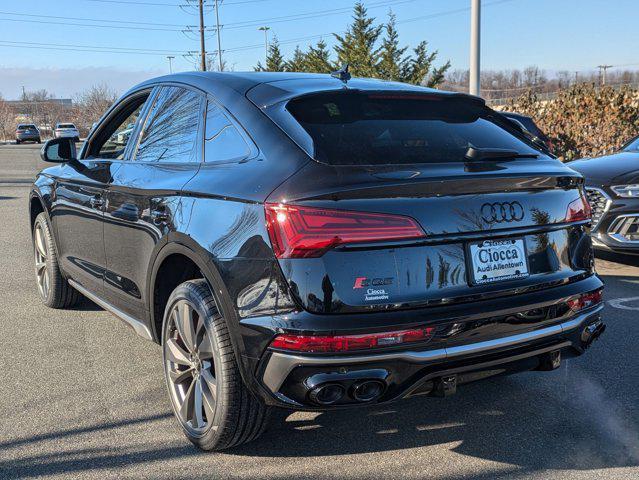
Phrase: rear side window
[349,128]
[170,132]
[222,141]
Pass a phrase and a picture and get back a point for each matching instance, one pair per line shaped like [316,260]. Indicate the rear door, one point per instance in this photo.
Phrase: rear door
[143,198]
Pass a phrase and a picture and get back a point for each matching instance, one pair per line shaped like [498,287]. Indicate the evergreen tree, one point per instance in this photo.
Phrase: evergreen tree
[318,59]
[392,61]
[298,62]
[274,60]
[357,46]
[419,69]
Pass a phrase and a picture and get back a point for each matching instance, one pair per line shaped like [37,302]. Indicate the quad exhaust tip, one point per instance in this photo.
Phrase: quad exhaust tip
[367,390]
[327,394]
[362,392]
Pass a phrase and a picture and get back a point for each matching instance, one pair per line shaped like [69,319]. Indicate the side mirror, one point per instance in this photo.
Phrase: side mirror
[58,150]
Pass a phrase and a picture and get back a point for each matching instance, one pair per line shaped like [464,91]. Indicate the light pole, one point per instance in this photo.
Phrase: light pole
[170,59]
[217,28]
[265,30]
[475,34]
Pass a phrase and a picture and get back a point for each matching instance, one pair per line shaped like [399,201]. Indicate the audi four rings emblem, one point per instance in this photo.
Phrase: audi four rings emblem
[500,212]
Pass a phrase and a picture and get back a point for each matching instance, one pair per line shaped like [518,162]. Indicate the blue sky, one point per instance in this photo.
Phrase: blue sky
[552,34]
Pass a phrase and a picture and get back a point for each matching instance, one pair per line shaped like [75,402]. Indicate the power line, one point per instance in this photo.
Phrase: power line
[124,27]
[4,43]
[328,34]
[91,19]
[306,15]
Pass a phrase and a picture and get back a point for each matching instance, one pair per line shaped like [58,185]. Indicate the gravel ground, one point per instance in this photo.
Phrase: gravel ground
[83,397]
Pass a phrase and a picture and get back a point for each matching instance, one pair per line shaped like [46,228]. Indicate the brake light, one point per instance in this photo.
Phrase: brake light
[586,300]
[302,232]
[347,343]
[578,210]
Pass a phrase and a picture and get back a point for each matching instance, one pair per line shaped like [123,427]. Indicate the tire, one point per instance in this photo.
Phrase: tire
[211,403]
[54,290]
[39,140]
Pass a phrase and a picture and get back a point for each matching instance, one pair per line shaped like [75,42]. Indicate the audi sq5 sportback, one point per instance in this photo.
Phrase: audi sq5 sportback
[612,186]
[316,242]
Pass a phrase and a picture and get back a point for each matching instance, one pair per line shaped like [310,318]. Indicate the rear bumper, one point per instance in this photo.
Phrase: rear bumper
[289,379]
[27,137]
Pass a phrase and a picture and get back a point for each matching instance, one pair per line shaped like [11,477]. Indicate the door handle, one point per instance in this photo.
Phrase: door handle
[96,202]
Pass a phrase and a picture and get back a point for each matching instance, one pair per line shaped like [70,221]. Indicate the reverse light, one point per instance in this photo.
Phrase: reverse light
[626,191]
[303,232]
[586,300]
[578,210]
[347,343]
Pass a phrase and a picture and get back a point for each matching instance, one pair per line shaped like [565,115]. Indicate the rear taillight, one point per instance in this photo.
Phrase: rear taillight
[578,210]
[302,232]
[586,300]
[347,343]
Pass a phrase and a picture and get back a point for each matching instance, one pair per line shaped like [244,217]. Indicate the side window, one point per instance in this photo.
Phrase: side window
[117,133]
[222,140]
[170,133]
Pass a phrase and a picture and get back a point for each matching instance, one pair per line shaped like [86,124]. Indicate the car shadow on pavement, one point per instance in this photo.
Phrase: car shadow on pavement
[537,421]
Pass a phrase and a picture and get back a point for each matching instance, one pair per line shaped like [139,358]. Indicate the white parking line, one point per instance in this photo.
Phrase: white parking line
[620,303]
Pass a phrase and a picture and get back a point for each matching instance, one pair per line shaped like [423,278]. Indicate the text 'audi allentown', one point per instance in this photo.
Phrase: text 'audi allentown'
[317,242]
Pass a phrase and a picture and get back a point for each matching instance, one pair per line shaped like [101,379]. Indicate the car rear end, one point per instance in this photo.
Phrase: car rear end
[27,133]
[417,267]
[66,130]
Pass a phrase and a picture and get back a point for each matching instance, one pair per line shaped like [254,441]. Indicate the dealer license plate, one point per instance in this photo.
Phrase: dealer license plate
[498,260]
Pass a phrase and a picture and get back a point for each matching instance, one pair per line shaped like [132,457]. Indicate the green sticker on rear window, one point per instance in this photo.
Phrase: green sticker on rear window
[332,108]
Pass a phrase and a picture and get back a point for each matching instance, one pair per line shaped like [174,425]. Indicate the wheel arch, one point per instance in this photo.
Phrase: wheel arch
[186,248]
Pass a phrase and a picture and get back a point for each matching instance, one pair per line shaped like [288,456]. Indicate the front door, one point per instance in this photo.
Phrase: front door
[77,213]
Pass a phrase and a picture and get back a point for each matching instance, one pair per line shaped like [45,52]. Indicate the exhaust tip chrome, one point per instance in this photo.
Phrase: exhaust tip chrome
[367,390]
[326,394]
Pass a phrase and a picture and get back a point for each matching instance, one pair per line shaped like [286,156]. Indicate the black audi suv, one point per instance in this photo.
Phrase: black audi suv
[612,186]
[317,242]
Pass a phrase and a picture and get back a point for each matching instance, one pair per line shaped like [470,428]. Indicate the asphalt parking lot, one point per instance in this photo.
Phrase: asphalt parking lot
[82,396]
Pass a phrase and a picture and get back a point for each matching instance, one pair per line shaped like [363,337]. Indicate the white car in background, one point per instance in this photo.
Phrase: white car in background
[66,130]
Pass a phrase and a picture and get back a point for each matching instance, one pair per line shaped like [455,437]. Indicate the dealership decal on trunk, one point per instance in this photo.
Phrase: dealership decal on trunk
[374,292]
[495,260]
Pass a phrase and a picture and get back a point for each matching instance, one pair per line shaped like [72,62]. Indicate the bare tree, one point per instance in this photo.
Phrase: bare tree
[7,118]
[93,103]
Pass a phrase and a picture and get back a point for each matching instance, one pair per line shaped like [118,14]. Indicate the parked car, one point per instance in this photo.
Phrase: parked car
[27,132]
[612,185]
[529,125]
[312,242]
[66,130]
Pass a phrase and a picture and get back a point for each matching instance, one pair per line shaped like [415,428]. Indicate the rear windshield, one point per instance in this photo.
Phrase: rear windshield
[349,128]
[66,125]
[26,125]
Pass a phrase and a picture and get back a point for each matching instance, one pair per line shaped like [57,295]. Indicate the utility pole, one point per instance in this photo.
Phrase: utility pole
[475,34]
[170,59]
[202,46]
[24,94]
[602,72]
[217,28]
[265,30]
